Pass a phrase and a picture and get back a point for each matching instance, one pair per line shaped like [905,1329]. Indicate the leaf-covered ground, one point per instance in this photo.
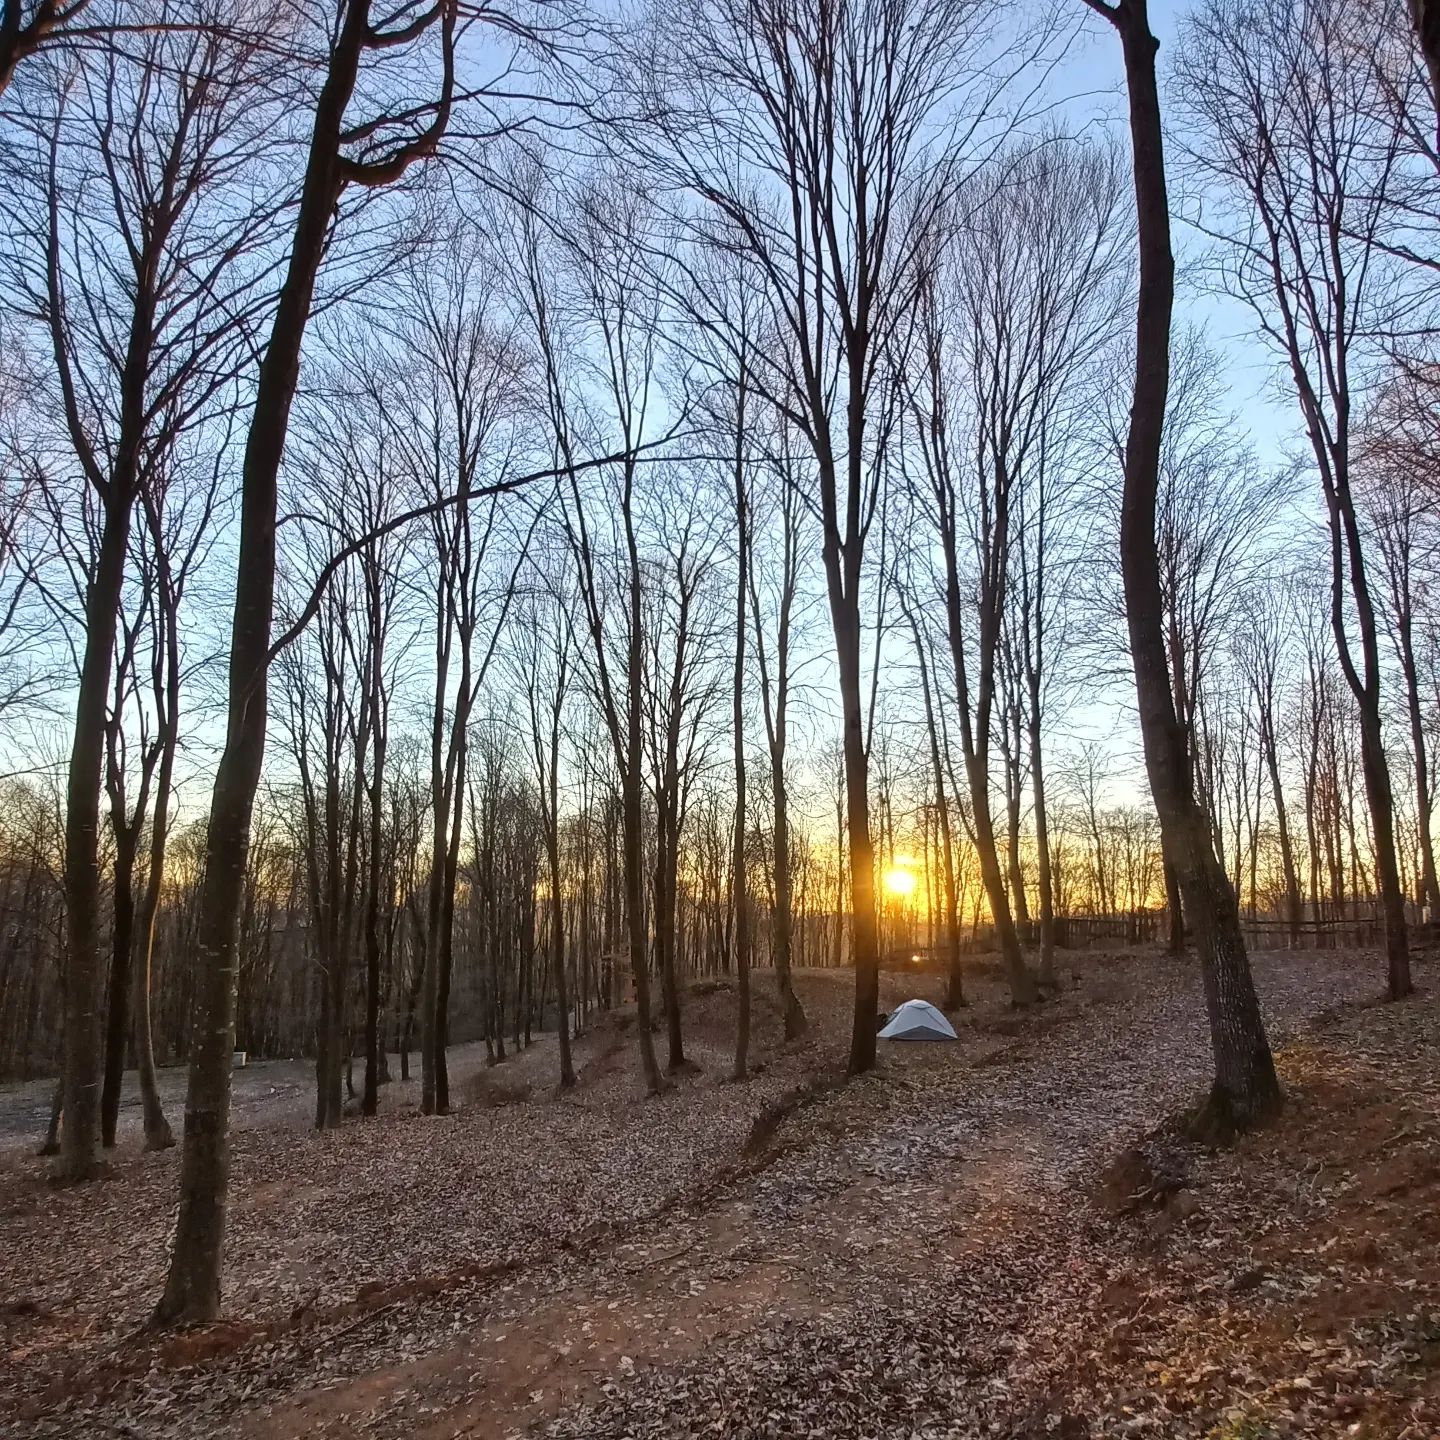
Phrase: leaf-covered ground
[998,1237]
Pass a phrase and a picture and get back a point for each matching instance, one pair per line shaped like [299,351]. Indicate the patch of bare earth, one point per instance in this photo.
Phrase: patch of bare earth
[928,1251]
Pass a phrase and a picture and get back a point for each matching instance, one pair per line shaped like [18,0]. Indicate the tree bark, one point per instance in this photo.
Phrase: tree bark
[1425,17]
[1376,768]
[117,999]
[550,779]
[158,1135]
[1174,910]
[783,932]
[1014,793]
[1293,908]
[80,1128]
[370,1101]
[776,711]
[865,947]
[738,890]
[1424,800]
[633,837]
[1044,879]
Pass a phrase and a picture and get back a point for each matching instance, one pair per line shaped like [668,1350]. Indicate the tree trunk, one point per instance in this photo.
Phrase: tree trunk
[1382,817]
[557,935]
[1044,880]
[865,945]
[117,1000]
[370,1101]
[192,1287]
[336,974]
[158,1135]
[633,838]
[1013,796]
[635,912]
[837,938]
[1174,910]
[1424,801]
[441,1040]
[80,1129]
[738,889]
[430,972]
[1022,983]
[784,923]
[1425,16]
[975,743]
[412,998]
[1245,1089]
[1293,908]
[954,976]
[666,844]
[50,1145]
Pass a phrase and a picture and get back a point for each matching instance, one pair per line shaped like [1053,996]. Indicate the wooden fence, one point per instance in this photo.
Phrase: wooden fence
[1364,930]
[1324,932]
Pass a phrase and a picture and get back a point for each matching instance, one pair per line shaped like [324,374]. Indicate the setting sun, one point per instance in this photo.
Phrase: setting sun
[900,882]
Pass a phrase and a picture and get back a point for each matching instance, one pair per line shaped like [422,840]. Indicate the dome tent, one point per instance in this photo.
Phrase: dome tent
[917,1020]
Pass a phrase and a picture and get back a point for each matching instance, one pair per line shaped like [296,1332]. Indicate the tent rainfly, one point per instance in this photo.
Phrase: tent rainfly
[917,1020]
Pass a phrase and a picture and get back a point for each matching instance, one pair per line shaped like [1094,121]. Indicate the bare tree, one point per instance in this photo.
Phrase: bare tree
[739,892]
[679,631]
[940,769]
[329,731]
[984,512]
[34,27]
[1005,326]
[380,579]
[451,407]
[723,304]
[775,665]
[1284,100]
[130,250]
[1398,506]
[809,132]
[1050,266]
[27,668]
[1262,654]
[1245,1088]
[370,153]
[177,505]
[545,660]
[1215,530]
[615,311]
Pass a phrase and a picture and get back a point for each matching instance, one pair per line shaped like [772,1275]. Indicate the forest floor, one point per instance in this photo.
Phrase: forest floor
[999,1237]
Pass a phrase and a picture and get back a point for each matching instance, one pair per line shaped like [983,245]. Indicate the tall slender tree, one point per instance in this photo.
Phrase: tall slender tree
[342,153]
[1245,1089]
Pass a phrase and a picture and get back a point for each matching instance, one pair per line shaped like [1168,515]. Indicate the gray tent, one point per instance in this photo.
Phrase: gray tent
[917,1020]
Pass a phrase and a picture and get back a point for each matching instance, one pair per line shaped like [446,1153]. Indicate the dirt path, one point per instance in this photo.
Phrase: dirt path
[951,1161]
